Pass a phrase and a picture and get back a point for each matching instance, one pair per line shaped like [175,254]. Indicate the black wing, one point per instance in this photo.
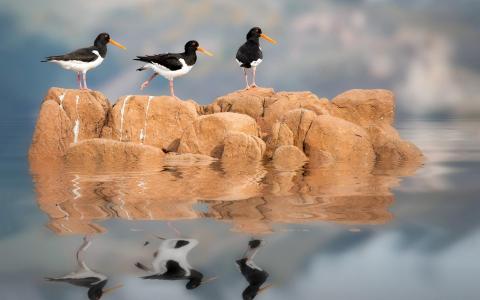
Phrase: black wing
[84,54]
[168,60]
[85,282]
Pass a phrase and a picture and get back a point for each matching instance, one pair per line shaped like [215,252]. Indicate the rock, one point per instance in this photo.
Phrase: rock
[288,157]
[207,133]
[56,123]
[365,107]
[249,102]
[283,102]
[99,154]
[51,135]
[345,141]
[241,146]
[280,135]
[90,108]
[299,121]
[157,121]
[188,159]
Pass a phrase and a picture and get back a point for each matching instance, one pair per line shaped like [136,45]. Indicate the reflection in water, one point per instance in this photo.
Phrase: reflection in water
[170,262]
[250,196]
[86,277]
[253,274]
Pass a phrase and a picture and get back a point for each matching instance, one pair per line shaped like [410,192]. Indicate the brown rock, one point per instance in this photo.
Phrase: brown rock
[283,102]
[207,133]
[188,159]
[280,135]
[365,107]
[241,146]
[51,136]
[101,154]
[299,121]
[288,157]
[345,141]
[157,121]
[249,102]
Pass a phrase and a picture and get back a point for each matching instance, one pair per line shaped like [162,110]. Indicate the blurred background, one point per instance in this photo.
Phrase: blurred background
[424,50]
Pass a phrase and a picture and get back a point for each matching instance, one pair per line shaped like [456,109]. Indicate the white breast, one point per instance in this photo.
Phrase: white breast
[169,74]
[80,66]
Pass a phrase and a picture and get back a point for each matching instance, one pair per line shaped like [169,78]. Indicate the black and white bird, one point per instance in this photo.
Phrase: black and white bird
[85,277]
[171,65]
[252,273]
[85,59]
[250,55]
[170,263]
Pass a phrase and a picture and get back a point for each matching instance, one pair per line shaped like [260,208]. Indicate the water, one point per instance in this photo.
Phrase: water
[329,234]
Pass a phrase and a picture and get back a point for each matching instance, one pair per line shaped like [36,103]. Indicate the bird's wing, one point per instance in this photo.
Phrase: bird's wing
[86,282]
[241,54]
[84,54]
[168,60]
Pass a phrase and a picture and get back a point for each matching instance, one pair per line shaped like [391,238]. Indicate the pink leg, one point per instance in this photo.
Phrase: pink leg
[246,78]
[79,80]
[254,74]
[172,92]
[146,83]
[85,80]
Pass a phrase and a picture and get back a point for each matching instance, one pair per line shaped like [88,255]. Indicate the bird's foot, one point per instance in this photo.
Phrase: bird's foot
[246,88]
[253,85]
[144,85]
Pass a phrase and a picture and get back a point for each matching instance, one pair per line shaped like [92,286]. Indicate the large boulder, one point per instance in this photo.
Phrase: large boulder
[365,107]
[280,135]
[249,102]
[345,141]
[157,121]
[299,121]
[283,102]
[207,133]
[241,146]
[105,154]
[288,157]
[66,116]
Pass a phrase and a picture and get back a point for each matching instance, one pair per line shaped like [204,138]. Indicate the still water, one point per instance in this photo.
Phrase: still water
[406,233]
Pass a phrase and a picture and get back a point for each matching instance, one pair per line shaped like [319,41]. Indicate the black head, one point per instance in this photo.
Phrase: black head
[102,39]
[254,33]
[195,280]
[191,46]
[96,291]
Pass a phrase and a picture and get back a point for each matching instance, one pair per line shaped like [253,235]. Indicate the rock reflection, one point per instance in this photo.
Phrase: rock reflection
[85,277]
[252,273]
[252,197]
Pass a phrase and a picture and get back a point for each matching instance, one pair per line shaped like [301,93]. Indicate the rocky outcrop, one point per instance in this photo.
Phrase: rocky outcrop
[256,157]
[207,133]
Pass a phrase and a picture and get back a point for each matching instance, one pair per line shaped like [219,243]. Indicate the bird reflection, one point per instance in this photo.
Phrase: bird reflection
[85,277]
[170,262]
[254,275]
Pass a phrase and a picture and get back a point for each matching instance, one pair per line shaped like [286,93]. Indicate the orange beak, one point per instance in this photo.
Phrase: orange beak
[109,290]
[266,37]
[115,43]
[204,51]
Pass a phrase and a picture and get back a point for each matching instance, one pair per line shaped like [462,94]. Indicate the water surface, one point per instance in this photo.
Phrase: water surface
[401,233]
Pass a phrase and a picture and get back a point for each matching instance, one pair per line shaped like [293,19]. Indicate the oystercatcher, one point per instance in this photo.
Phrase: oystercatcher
[85,277]
[85,59]
[254,275]
[170,263]
[171,65]
[250,55]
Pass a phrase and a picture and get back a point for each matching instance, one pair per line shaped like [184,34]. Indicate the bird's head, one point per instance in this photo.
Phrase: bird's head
[256,33]
[104,38]
[97,291]
[195,280]
[192,46]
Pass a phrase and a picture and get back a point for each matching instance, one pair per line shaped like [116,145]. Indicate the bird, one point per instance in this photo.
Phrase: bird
[85,277]
[170,263]
[171,65]
[250,55]
[253,274]
[84,59]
